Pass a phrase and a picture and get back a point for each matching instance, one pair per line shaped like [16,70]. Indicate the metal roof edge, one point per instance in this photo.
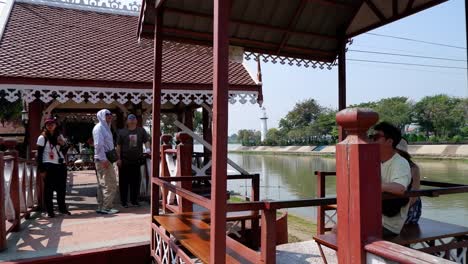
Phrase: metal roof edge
[5,10]
[83,7]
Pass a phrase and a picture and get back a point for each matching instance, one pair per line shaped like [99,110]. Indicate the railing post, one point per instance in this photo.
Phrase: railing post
[320,209]
[3,242]
[268,237]
[165,144]
[184,167]
[14,187]
[358,185]
[255,196]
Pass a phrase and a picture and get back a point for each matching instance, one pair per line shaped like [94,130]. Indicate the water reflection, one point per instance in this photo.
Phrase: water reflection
[292,177]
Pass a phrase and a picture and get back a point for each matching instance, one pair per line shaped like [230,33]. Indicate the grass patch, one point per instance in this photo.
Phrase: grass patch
[299,228]
[236,199]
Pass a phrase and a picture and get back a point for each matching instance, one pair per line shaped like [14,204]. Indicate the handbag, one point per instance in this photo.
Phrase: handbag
[112,156]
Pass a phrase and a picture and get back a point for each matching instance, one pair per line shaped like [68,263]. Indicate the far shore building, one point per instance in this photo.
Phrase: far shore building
[70,60]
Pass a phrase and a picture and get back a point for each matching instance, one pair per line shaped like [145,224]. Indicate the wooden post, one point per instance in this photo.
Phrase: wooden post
[341,84]
[206,135]
[156,125]
[14,187]
[268,238]
[466,34]
[3,242]
[320,209]
[188,122]
[166,144]
[255,196]
[221,16]
[34,125]
[358,186]
[184,168]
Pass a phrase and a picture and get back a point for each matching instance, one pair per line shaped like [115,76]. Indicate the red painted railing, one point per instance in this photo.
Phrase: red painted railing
[19,189]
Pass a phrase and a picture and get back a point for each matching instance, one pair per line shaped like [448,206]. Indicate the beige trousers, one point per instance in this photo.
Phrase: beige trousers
[107,186]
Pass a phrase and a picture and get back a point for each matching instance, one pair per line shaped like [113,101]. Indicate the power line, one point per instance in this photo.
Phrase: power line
[405,55]
[409,64]
[396,67]
[416,40]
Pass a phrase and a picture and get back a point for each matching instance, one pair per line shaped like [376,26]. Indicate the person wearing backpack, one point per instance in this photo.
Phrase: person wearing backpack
[51,166]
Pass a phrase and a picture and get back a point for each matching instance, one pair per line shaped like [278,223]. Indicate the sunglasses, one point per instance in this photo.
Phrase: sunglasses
[108,114]
[376,136]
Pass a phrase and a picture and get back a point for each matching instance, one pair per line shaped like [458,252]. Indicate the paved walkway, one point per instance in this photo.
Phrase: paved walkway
[85,230]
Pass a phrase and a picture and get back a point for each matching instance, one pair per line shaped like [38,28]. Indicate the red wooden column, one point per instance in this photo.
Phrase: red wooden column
[156,128]
[341,84]
[184,167]
[166,144]
[358,185]
[206,135]
[466,33]
[34,125]
[3,241]
[220,124]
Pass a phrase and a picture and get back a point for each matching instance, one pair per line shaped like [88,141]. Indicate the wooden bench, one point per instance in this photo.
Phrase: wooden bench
[193,232]
[426,231]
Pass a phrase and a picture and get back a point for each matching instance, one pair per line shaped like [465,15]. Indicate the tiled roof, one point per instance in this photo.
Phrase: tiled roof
[44,42]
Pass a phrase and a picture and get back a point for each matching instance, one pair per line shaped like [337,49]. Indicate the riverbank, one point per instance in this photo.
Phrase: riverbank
[455,151]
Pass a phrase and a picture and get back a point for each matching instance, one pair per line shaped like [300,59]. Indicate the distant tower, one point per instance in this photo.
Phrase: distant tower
[263,124]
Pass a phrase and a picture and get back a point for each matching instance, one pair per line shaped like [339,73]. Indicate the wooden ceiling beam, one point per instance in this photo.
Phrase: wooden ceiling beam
[409,5]
[292,24]
[376,10]
[252,24]
[334,3]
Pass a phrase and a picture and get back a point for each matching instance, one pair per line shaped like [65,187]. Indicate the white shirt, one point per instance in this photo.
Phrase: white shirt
[51,154]
[396,170]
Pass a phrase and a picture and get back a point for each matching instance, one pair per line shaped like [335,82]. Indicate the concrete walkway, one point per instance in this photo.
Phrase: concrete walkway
[83,230]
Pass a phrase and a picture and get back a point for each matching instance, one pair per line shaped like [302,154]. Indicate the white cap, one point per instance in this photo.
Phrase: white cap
[403,145]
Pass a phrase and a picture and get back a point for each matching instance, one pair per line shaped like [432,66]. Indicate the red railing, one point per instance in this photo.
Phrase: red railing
[19,189]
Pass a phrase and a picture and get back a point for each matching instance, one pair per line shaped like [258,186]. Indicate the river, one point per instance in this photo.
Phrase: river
[284,177]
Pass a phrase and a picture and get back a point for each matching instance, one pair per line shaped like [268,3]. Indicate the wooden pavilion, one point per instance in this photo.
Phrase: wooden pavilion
[83,58]
[300,32]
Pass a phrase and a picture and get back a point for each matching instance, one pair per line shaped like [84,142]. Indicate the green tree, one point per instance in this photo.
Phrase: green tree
[303,114]
[325,126]
[8,110]
[198,121]
[442,115]
[395,110]
[274,137]
[249,137]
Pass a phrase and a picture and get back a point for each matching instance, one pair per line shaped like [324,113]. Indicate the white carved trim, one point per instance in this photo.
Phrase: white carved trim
[119,7]
[94,95]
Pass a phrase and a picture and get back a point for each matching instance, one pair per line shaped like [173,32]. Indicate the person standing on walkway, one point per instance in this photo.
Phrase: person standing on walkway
[104,157]
[130,142]
[51,166]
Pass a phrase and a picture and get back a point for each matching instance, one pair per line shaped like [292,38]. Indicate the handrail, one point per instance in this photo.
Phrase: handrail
[193,178]
[300,203]
[192,197]
[23,186]
[400,254]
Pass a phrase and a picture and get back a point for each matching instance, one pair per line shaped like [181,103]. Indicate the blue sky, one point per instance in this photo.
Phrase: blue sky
[284,86]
